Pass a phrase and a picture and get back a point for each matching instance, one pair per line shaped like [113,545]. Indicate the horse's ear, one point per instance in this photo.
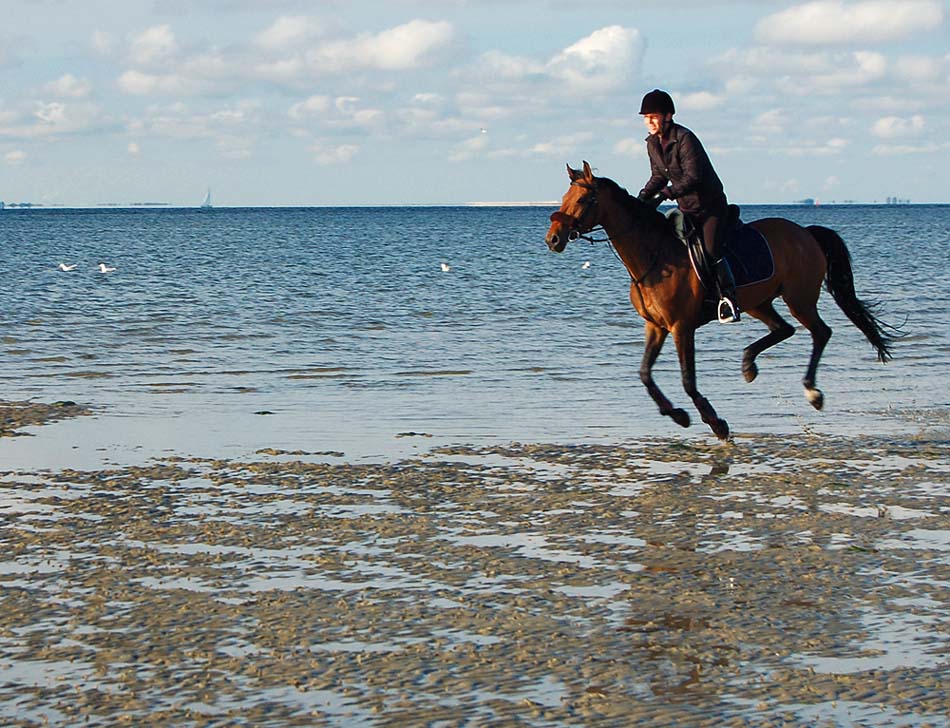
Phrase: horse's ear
[574,174]
[588,174]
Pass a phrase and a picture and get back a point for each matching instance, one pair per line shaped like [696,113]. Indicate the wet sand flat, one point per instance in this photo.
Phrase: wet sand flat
[795,580]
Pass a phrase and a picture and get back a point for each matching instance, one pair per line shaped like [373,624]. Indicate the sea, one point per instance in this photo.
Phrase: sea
[377,332]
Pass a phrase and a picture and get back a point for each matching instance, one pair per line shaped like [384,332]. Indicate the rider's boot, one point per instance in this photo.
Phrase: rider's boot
[728,310]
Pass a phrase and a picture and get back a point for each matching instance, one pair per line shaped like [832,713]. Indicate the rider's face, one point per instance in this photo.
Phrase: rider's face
[656,123]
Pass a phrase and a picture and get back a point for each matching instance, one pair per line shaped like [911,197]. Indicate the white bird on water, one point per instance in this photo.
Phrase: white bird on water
[445,267]
[67,268]
[586,265]
[103,268]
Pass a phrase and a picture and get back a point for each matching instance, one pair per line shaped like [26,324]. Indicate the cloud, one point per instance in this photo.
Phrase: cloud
[892,150]
[314,106]
[770,123]
[155,45]
[829,22]
[133,149]
[606,59]
[139,83]
[699,101]
[43,119]
[469,149]
[408,46]
[227,125]
[630,147]
[68,86]
[893,127]
[803,73]
[288,32]
[326,152]
[824,148]
[103,43]
[16,156]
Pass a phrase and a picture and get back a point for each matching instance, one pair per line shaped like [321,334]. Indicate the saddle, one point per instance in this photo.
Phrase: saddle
[745,248]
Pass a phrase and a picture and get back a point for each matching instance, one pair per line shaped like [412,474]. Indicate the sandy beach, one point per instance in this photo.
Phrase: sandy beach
[796,580]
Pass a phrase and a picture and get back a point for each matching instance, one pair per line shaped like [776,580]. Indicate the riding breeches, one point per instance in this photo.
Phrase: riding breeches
[711,226]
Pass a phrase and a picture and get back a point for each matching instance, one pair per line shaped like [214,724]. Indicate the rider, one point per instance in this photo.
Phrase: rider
[677,159]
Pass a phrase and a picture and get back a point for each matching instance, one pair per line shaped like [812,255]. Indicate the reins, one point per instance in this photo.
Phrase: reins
[606,239]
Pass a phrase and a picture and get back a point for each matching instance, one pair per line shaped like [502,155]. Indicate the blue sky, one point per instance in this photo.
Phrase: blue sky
[358,102]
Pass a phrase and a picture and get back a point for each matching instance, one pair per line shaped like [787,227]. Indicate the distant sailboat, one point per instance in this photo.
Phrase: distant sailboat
[207,202]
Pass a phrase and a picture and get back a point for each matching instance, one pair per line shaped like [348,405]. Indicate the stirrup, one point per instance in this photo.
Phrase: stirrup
[728,313]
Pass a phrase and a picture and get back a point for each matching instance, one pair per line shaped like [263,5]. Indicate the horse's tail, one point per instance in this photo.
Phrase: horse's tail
[840,283]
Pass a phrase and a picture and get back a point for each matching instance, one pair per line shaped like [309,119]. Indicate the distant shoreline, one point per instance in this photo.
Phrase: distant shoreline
[27,207]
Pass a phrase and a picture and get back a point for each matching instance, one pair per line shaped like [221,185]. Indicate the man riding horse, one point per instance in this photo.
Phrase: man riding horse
[681,171]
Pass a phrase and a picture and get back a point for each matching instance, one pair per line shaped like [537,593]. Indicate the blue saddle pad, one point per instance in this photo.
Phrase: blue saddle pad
[749,256]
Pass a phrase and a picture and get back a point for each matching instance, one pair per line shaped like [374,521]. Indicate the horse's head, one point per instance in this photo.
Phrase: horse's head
[579,213]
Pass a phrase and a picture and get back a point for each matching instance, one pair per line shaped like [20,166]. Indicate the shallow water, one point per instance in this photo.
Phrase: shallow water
[496,586]
[341,324]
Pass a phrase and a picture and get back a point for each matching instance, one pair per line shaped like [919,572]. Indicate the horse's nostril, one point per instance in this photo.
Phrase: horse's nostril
[554,240]
[573,235]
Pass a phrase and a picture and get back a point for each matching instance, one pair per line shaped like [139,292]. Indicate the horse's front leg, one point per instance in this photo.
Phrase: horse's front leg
[653,340]
[685,339]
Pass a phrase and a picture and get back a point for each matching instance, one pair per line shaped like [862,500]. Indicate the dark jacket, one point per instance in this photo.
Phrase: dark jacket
[685,165]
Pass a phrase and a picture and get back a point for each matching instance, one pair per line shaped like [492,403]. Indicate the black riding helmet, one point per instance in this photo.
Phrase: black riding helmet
[657,102]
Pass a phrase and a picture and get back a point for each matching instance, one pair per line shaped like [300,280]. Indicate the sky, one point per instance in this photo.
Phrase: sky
[396,102]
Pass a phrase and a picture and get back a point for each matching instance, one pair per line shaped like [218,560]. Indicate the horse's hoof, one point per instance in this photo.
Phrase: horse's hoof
[720,428]
[680,417]
[750,371]
[815,398]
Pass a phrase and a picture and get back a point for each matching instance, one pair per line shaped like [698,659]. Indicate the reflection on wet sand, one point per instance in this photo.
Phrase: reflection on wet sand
[657,582]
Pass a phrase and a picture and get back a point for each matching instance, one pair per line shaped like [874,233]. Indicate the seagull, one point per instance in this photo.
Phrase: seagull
[103,268]
[586,265]
[445,267]
[64,267]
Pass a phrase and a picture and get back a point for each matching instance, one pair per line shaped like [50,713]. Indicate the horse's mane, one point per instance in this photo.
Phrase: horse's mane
[639,210]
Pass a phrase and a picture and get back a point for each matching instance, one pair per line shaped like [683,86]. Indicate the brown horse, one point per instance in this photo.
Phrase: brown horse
[667,293]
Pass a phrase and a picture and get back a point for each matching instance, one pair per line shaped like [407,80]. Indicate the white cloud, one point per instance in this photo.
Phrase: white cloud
[230,127]
[327,153]
[803,74]
[155,45]
[630,147]
[606,59]
[46,119]
[769,124]
[68,86]
[16,156]
[313,106]
[824,148]
[699,101]
[893,127]
[289,32]
[139,83]
[469,149]
[103,43]
[403,47]
[133,149]
[891,150]
[835,22]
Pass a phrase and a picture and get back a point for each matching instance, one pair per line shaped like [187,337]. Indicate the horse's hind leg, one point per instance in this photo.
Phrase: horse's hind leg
[779,330]
[820,333]
[653,340]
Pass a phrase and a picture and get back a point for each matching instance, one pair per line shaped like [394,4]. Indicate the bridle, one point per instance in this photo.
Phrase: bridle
[577,230]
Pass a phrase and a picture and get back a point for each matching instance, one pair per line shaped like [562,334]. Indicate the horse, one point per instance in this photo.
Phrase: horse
[671,299]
